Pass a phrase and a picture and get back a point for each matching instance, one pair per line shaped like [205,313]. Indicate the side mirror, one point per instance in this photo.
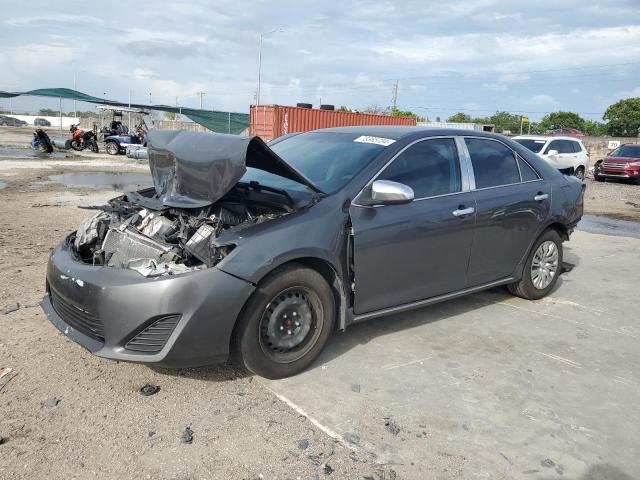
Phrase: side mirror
[552,152]
[386,192]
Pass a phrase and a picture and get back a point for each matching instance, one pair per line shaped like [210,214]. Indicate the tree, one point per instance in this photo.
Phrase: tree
[562,120]
[593,128]
[623,117]
[344,108]
[503,121]
[376,109]
[170,115]
[406,113]
[461,118]
[48,112]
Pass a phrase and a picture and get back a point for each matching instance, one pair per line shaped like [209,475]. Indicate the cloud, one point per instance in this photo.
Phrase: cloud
[543,100]
[502,53]
[51,19]
[143,74]
[163,48]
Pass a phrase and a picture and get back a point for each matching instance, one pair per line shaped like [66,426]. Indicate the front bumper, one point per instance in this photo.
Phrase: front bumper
[619,173]
[112,312]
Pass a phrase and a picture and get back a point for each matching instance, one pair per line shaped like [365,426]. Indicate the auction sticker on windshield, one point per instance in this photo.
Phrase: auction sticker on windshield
[376,140]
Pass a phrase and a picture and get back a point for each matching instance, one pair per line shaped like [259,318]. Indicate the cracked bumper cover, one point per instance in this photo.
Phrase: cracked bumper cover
[208,303]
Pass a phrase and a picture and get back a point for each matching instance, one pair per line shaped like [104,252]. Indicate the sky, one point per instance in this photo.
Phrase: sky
[476,56]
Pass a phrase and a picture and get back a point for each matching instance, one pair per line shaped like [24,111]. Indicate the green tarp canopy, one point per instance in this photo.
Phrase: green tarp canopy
[221,122]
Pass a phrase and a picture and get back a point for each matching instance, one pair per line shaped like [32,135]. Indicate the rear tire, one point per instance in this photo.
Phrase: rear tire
[540,264]
[286,323]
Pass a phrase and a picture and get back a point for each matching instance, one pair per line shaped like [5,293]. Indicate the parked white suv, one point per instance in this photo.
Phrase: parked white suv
[567,154]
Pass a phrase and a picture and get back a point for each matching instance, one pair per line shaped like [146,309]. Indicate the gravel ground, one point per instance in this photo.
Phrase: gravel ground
[615,199]
[67,414]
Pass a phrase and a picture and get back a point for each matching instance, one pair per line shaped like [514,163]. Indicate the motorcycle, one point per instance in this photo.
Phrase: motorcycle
[41,141]
[81,140]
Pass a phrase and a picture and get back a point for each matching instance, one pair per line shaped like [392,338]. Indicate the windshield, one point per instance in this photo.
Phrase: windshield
[534,145]
[328,159]
[626,151]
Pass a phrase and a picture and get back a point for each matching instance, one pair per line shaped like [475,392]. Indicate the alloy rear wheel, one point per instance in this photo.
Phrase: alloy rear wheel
[542,268]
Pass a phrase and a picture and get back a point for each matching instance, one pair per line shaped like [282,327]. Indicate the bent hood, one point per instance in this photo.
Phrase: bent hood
[192,169]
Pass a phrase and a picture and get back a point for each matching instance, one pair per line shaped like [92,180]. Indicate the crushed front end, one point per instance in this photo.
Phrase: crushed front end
[138,279]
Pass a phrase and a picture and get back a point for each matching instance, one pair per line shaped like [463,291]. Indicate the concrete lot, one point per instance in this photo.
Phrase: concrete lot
[493,386]
[488,386]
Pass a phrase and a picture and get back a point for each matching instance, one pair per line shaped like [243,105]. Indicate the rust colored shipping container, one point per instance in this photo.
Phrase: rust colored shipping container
[271,121]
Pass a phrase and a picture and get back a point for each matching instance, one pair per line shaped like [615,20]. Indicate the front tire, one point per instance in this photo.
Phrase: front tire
[112,148]
[596,176]
[542,268]
[579,173]
[286,323]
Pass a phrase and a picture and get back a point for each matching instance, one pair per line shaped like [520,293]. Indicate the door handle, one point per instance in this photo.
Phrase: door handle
[464,211]
[541,196]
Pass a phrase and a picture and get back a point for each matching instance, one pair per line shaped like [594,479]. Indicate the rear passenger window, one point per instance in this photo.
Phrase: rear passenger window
[429,167]
[576,147]
[526,172]
[565,146]
[493,163]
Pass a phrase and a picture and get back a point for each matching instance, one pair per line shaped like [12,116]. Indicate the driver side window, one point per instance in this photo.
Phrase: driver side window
[429,167]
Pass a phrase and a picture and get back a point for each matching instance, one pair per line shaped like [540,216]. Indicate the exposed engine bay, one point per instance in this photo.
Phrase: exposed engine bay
[137,231]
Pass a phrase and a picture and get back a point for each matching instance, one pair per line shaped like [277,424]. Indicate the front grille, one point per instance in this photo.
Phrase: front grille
[83,321]
[614,165]
[154,337]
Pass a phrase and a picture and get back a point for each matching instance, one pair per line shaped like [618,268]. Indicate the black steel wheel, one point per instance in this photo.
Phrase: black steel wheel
[291,324]
[286,323]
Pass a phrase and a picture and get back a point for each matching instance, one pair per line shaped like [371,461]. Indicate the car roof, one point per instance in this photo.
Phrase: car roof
[399,131]
[547,137]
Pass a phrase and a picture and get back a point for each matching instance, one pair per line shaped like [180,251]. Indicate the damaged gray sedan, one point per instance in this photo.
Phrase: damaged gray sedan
[263,251]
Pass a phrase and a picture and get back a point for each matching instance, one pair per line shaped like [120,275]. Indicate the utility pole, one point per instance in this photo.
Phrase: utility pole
[10,107]
[75,88]
[201,95]
[130,111]
[394,98]
[260,35]
[149,98]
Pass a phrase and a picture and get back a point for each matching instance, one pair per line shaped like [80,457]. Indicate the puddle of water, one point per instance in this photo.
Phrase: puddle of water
[18,153]
[2,184]
[609,226]
[119,181]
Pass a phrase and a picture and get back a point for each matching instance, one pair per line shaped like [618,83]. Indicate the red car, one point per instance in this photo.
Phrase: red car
[623,162]
[565,132]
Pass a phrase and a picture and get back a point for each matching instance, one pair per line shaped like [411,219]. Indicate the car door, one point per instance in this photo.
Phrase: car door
[512,203]
[408,252]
